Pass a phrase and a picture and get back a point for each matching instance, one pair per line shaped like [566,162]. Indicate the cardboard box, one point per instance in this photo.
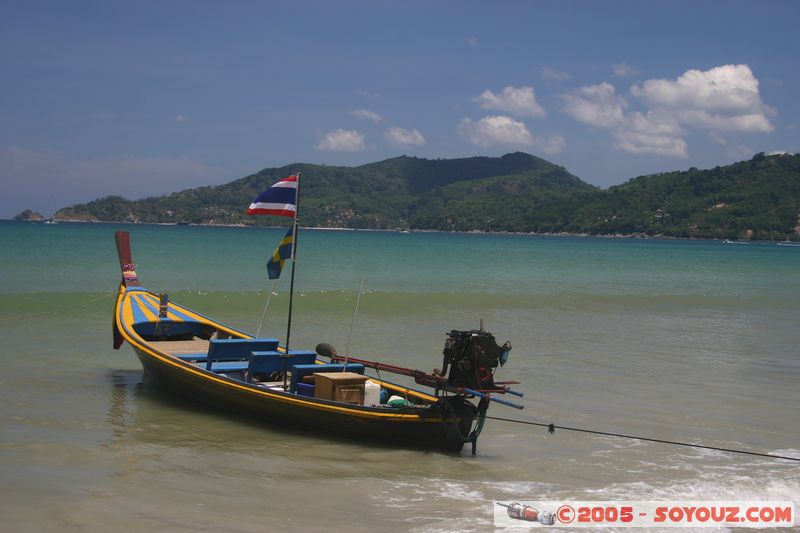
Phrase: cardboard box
[345,387]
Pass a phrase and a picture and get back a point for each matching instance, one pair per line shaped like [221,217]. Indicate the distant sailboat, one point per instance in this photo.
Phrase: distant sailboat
[52,219]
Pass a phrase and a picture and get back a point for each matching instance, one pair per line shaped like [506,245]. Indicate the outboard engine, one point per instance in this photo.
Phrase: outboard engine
[471,357]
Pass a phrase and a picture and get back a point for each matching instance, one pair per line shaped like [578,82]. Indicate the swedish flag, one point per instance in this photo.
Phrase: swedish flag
[281,254]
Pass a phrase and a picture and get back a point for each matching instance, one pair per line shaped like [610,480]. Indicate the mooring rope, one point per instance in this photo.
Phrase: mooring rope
[61,310]
[552,427]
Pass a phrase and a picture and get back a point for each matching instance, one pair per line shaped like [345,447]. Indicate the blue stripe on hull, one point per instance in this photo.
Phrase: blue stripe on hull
[138,314]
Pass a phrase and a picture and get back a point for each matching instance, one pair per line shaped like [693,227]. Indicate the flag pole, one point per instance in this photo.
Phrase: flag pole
[291,284]
[291,290]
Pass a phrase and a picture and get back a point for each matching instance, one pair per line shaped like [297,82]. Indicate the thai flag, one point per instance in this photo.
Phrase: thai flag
[280,199]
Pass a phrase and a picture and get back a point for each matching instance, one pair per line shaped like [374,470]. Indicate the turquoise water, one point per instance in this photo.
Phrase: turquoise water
[233,259]
[679,340]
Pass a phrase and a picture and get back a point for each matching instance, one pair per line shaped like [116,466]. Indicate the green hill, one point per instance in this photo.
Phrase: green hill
[386,194]
[758,199]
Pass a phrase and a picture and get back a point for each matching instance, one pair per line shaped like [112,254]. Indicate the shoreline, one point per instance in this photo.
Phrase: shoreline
[403,231]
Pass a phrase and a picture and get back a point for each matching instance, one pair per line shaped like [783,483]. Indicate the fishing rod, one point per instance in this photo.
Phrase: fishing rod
[551,428]
[266,306]
[353,323]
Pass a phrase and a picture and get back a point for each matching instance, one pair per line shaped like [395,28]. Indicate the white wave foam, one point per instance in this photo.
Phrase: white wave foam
[438,504]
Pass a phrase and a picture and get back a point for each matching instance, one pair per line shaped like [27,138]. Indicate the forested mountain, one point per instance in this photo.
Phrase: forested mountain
[394,193]
[756,199]
[517,192]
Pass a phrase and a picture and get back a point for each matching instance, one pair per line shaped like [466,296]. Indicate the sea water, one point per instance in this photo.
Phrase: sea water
[692,341]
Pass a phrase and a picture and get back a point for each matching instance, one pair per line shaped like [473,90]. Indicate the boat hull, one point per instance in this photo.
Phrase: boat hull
[185,352]
[224,395]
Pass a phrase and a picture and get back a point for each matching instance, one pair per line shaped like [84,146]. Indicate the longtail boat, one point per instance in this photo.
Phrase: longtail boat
[320,391]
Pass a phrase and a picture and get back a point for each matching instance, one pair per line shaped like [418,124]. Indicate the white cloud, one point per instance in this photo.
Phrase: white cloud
[554,75]
[367,114]
[651,133]
[596,105]
[472,41]
[624,70]
[403,137]
[181,118]
[721,100]
[502,130]
[519,101]
[756,122]
[724,98]
[342,141]
[638,133]
[493,130]
[550,144]
[368,94]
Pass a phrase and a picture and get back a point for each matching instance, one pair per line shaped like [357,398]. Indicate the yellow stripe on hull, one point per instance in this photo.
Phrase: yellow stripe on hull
[125,321]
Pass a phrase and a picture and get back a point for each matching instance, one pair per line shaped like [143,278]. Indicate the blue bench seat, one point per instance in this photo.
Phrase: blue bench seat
[265,362]
[237,349]
[269,362]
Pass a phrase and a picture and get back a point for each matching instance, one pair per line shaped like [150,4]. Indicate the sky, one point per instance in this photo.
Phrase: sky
[148,97]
